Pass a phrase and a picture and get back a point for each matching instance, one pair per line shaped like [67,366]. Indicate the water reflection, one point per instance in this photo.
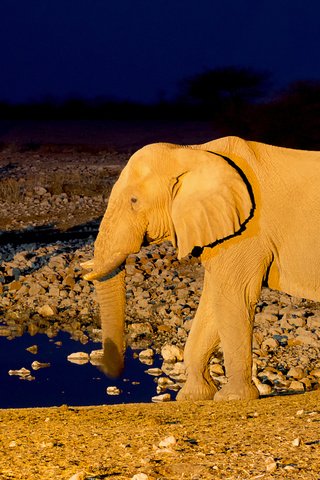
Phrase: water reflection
[65,382]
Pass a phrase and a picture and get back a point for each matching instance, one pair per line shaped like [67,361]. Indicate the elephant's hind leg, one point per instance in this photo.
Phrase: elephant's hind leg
[202,341]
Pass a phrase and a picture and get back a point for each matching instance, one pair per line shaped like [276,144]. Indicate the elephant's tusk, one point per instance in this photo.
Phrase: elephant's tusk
[93,275]
[102,276]
[88,265]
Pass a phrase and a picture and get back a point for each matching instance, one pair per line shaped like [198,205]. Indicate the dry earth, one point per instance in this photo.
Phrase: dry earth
[270,438]
[276,437]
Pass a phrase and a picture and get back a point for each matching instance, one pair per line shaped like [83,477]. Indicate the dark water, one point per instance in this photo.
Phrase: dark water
[65,382]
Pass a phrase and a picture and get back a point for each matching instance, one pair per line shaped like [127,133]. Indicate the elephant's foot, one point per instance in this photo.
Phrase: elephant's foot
[194,390]
[237,392]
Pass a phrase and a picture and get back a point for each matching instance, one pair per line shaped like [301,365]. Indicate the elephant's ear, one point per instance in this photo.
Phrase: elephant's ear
[212,200]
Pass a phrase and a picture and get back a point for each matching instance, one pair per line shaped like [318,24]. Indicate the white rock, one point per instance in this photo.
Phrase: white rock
[165,382]
[313,322]
[265,318]
[137,329]
[271,467]
[296,442]
[140,476]
[222,379]
[308,340]
[296,372]
[216,370]
[257,339]
[270,344]
[146,361]
[78,357]
[264,389]
[39,191]
[37,365]
[177,371]
[146,356]
[271,309]
[285,324]
[45,311]
[254,367]
[146,353]
[271,375]
[78,476]
[291,468]
[172,353]
[96,357]
[296,386]
[155,372]
[33,349]
[296,321]
[315,373]
[168,442]
[165,397]
[113,391]
[22,372]
[5,331]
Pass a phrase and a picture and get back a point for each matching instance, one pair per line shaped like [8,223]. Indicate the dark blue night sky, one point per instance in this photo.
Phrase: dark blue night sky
[141,49]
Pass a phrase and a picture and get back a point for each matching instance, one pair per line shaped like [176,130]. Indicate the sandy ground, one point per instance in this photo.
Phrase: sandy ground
[276,437]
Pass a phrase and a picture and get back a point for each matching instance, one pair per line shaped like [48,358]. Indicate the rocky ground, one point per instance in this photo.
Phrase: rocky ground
[51,201]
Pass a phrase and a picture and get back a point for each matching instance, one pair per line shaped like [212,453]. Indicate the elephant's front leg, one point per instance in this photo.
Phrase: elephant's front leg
[225,316]
[235,317]
[202,341]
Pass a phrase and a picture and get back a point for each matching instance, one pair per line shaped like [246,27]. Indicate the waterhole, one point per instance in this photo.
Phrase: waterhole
[65,382]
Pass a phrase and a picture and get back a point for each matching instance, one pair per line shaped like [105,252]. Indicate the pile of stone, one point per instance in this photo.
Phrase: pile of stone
[40,204]
[37,190]
[42,290]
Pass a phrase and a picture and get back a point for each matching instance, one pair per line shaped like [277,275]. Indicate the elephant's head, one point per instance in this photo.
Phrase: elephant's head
[166,192]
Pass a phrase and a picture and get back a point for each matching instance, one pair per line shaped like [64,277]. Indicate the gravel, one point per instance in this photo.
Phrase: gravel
[42,291]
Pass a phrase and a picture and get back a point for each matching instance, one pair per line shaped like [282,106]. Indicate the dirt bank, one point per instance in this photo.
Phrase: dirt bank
[276,437]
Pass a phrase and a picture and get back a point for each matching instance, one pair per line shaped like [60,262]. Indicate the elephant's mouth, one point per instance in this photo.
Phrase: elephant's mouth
[149,240]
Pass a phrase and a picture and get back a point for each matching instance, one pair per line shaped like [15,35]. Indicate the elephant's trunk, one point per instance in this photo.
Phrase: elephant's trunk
[110,253]
[111,298]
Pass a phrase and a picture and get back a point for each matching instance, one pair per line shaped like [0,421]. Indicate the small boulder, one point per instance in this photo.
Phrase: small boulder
[296,372]
[22,372]
[33,349]
[168,442]
[113,391]
[37,365]
[172,353]
[155,372]
[40,191]
[165,397]
[78,357]
[296,386]
[46,311]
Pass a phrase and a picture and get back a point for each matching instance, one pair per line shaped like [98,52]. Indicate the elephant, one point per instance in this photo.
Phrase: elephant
[250,212]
